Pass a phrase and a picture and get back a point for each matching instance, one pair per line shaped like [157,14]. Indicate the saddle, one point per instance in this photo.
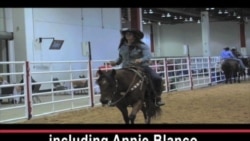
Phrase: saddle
[143,75]
[139,71]
[236,61]
[146,77]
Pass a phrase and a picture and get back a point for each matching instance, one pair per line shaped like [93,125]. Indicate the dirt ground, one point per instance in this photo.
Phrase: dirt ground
[223,103]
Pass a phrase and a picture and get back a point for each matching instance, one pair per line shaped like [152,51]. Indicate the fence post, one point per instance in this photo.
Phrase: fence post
[28,92]
[90,76]
[190,72]
[167,86]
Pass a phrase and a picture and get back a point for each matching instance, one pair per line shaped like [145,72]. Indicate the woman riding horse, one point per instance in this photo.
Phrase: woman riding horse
[236,53]
[134,52]
[227,54]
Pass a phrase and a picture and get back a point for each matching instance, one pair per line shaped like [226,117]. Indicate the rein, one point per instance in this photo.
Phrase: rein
[130,88]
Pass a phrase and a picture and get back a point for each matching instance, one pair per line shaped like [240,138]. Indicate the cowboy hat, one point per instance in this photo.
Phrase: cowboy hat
[138,34]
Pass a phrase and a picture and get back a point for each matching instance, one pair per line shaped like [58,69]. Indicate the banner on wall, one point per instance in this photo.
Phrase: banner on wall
[186,49]
[85,48]
[243,51]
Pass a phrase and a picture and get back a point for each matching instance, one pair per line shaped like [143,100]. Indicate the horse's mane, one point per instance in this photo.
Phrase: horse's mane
[125,72]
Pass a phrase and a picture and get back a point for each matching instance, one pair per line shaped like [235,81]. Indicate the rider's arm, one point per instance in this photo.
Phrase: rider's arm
[231,54]
[119,60]
[146,53]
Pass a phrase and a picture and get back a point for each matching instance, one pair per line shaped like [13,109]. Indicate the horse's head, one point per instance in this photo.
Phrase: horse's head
[107,84]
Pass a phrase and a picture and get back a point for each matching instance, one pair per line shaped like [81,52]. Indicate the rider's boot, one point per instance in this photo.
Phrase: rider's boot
[158,101]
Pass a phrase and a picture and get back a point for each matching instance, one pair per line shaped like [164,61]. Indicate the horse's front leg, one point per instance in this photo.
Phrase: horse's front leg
[124,112]
[135,108]
[145,115]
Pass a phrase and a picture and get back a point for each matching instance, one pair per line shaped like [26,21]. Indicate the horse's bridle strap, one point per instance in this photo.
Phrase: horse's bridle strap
[130,88]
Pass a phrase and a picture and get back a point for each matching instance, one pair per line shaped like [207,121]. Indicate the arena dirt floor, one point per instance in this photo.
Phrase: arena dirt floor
[223,103]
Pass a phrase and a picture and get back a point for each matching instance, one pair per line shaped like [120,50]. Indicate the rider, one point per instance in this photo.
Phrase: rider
[235,52]
[132,51]
[227,54]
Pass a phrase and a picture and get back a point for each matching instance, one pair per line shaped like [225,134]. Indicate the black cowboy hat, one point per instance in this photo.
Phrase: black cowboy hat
[138,34]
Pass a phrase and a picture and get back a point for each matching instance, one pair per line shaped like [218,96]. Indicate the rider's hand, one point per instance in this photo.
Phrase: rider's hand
[112,63]
[137,61]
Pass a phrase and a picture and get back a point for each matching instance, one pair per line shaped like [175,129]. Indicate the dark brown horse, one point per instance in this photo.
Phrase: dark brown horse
[231,70]
[126,88]
[246,62]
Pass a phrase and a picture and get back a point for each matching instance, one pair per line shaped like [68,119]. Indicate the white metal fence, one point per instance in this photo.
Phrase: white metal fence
[57,92]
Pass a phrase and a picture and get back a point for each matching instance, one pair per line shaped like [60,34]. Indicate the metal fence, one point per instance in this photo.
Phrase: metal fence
[67,85]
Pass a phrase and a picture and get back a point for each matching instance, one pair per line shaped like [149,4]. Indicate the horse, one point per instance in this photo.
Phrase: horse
[231,70]
[246,62]
[128,87]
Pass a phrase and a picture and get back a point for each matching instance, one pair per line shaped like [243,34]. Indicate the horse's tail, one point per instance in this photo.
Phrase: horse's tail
[152,109]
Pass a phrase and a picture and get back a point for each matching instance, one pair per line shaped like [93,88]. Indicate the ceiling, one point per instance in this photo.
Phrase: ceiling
[191,15]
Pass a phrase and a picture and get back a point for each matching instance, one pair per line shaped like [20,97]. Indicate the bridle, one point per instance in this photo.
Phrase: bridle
[131,87]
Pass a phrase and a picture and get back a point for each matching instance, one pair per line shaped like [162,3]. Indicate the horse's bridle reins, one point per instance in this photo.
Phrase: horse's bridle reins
[130,88]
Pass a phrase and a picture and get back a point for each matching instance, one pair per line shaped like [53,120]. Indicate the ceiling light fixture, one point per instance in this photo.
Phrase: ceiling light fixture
[163,15]
[145,11]
[190,19]
[234,14]
[220,12]
[151,11]
[168,15]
